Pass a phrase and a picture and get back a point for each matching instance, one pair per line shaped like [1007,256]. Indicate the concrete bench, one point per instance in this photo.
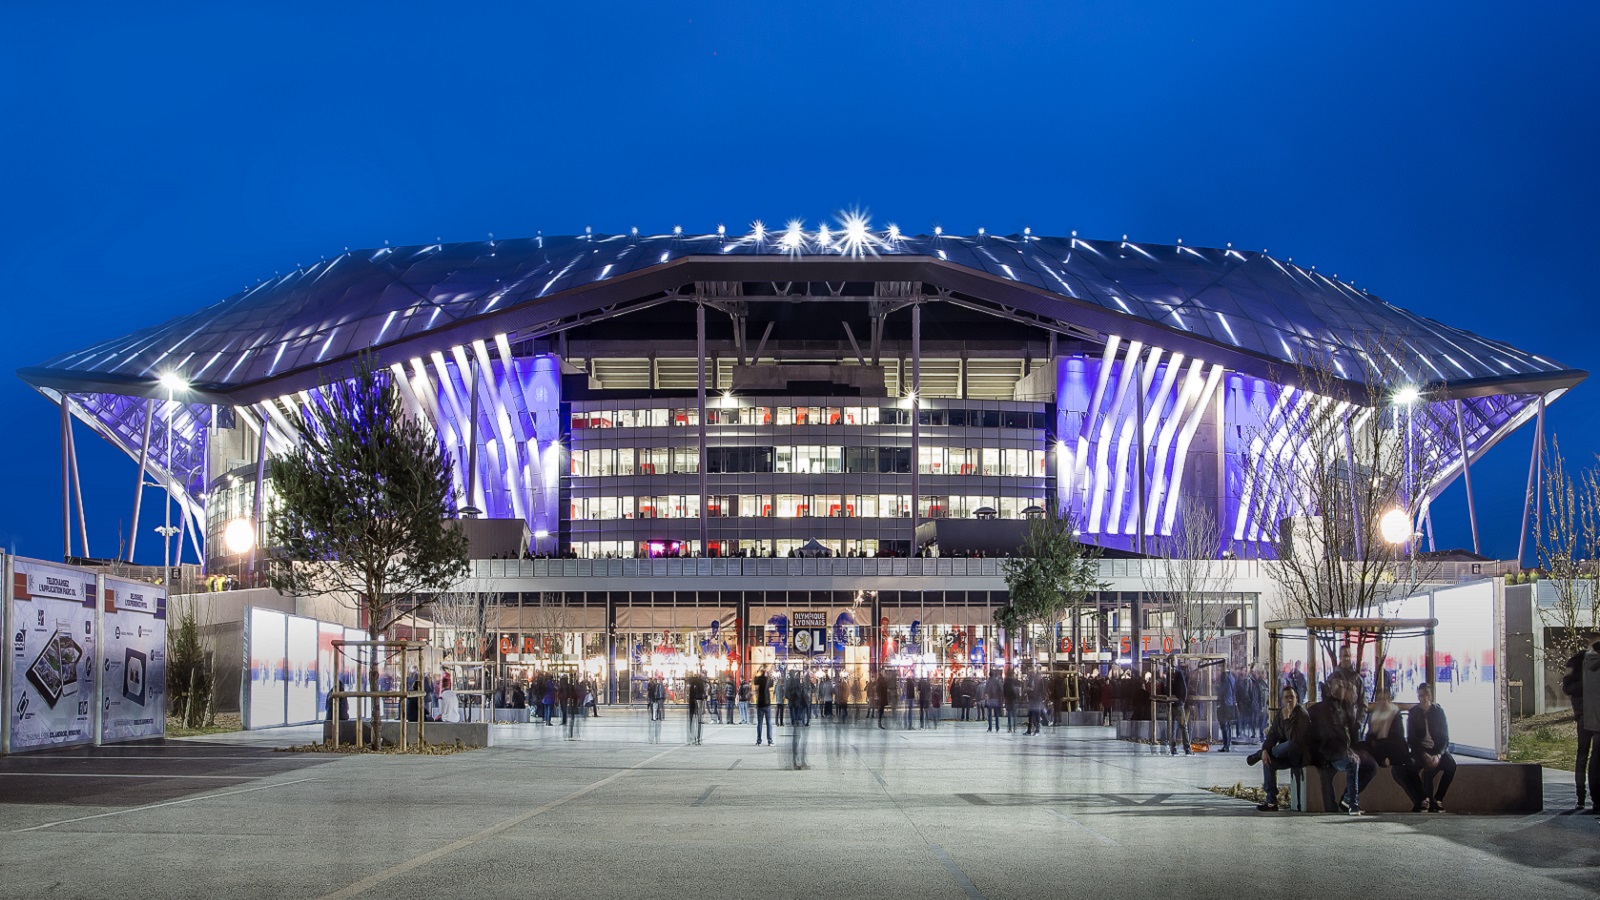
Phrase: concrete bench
[1480,786]
[471,734]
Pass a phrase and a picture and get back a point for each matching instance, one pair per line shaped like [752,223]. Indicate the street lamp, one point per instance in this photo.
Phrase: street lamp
[239,536]
[1395,526]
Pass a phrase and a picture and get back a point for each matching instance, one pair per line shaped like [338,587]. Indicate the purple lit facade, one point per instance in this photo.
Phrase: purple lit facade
[1135,374]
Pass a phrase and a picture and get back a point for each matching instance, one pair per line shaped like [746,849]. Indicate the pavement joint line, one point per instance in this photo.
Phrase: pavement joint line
[955,871]
[134,809]
[735,764]
[1075,823]
[120,775]
[704,797]
[377,878]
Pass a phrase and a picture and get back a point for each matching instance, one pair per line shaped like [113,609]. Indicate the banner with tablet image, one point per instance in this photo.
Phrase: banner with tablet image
[52,656]
[133,676]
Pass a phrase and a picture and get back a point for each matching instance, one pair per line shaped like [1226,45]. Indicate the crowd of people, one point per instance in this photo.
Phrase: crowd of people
[547,695]
[1342,733]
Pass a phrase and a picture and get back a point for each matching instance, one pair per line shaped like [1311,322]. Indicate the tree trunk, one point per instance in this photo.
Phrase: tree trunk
[376,708]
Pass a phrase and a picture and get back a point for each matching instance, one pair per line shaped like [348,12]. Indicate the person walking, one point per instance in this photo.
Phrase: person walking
[697,706]
[744,703]
[656,693]
[994,693]
[1228,707]
[1013,695]
[1178,708]
[780,686]
[1586,767]
[1591,716]
[763,691]
[909,690]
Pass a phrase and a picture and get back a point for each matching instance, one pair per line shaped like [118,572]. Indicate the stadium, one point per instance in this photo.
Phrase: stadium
[797,418]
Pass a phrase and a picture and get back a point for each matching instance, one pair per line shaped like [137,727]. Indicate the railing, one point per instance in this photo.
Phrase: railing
[668,568]
[1110,569]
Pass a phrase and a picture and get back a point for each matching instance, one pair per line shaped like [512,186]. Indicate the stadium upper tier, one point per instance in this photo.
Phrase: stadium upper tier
[1245,310]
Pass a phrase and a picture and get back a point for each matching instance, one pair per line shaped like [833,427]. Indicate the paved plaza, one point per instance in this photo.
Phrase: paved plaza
[623,811]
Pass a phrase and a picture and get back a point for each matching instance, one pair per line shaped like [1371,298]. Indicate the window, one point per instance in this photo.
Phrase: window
[685,461]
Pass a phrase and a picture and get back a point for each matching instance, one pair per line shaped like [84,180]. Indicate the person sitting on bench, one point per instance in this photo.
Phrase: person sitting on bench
[1284,746]
[1386,744]
[1429,735]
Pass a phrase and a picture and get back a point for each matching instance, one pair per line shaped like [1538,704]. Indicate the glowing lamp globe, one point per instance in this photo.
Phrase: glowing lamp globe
[239,536]
[1395,526]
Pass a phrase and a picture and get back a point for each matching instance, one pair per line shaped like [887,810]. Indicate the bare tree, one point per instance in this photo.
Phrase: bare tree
[1191,581]
[464,614]
[1349,441]
[1566,527]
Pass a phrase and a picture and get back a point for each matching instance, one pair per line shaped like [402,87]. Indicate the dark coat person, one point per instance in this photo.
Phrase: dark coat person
[1428,733]
[1586,767]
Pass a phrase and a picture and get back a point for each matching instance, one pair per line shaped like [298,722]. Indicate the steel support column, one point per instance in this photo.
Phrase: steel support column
[472,510]
[700,401]
[1466,475]
[66,483]
[77,489]
[138,484]
[916,418]
[1530,497]
[258,502]
[1137,625]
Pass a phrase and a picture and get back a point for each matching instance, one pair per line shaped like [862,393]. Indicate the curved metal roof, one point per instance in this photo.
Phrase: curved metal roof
[1244,304]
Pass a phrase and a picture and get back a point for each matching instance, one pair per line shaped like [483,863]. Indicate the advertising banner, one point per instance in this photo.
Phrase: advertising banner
[264,648]
[52,656]
[133,677]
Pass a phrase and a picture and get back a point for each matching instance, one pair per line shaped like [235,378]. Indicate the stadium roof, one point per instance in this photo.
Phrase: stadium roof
[1242,309]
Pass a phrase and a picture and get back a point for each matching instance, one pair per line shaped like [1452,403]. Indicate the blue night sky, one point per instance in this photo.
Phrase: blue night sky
[1440,156]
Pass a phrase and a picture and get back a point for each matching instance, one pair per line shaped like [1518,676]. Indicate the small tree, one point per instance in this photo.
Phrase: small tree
[188,674]
[1050,578]
[363,503]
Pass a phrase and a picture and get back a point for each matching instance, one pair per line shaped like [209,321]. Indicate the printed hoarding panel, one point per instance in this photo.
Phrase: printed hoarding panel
[52,656]
[133,676]
[329,669]
[1463,662]
[264,645]
[300,671]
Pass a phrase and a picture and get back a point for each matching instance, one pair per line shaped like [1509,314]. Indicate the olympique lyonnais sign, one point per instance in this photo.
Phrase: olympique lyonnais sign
[810,631]
[810,620]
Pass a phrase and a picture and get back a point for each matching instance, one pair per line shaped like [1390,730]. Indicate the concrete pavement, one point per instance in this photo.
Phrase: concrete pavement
[627,810]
